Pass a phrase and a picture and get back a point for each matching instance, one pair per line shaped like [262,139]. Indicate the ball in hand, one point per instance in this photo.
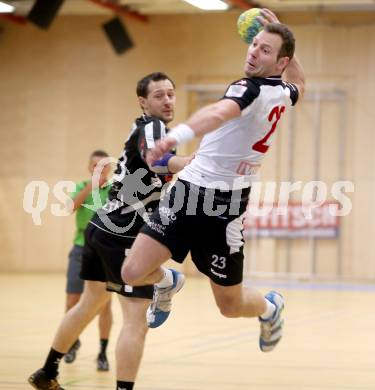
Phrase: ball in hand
[248,25]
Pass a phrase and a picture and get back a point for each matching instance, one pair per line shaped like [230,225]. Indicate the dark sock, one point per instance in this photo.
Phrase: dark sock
[103,346]
[76,344]
[51,366]
[124,385]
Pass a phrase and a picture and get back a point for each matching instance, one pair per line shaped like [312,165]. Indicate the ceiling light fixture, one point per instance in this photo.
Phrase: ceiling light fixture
[6,8]
[209,5]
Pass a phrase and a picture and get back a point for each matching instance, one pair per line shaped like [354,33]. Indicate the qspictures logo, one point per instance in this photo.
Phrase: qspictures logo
[265,198]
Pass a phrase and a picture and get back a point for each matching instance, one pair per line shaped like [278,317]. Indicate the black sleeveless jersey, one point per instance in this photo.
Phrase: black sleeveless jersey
[135,190]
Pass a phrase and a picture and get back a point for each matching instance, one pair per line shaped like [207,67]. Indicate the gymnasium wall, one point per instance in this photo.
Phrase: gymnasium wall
[63,93]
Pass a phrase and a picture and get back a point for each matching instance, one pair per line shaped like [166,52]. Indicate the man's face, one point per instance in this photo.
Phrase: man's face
[104,170]
[160,100]
[261,58]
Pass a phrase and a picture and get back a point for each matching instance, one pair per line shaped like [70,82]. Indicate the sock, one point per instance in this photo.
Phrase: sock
[103,346]
[51,366]
[167,279]
[270,310]
[124,385]
[76,344]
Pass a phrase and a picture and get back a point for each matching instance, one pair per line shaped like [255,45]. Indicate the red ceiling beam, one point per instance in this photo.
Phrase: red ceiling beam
[120,10]
[242,4]
[14,18]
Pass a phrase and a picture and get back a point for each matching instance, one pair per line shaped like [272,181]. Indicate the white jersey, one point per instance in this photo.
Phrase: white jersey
[230,156]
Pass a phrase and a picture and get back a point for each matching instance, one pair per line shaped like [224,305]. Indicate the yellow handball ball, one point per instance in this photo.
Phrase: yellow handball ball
[248,26]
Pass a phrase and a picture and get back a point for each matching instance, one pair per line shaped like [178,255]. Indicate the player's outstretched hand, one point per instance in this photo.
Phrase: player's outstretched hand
[160,149]
[267,17]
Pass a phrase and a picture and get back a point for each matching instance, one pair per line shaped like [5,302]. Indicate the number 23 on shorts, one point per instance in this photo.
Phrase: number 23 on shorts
[219,261]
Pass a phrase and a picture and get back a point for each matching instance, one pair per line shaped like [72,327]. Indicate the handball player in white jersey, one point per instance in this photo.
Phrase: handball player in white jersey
[203,212]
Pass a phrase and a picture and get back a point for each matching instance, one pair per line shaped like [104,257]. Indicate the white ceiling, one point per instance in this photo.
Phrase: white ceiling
[150,7]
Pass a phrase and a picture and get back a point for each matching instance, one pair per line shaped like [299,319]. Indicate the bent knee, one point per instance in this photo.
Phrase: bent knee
[229,309]
[87,308]
[136,328]
[129,274]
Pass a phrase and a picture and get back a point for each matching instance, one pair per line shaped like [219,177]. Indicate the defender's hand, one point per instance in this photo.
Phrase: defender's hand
[160,149]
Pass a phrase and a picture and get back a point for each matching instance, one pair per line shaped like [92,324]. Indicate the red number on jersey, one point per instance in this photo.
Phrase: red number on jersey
[261,146]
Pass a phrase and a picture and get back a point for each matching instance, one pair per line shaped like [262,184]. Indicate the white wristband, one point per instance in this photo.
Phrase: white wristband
[182,133]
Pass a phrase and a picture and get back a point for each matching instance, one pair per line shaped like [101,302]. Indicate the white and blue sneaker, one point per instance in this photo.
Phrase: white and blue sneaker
[159,309]
[271,330]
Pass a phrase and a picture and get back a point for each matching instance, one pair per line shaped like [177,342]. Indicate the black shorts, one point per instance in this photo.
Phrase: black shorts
[102,258]
[208,223]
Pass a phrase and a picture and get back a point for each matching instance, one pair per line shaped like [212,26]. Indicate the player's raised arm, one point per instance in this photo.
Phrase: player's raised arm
[201,122]
[293,73]
[213,116]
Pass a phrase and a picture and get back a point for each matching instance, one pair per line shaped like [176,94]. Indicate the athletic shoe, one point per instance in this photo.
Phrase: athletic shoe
[39,381]
[71,355]
[158,311]
[271,330]
[102,362]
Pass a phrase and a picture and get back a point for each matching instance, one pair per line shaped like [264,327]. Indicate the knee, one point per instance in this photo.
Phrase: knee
[229,308]
[92,304]
[129,274]
[86,309]
[132,276]
[135,329]
[140,330]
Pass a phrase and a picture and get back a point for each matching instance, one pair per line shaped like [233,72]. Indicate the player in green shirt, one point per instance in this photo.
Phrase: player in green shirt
[84,207]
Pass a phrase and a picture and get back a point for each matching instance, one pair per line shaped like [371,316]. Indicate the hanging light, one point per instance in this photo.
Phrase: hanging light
[209,5]
[6,8]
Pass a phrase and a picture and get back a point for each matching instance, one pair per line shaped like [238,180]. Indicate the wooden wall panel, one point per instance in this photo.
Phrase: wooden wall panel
[63,93]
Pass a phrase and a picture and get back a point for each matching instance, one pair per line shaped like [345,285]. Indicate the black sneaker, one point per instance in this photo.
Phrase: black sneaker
[71,355]
[102,362]
[39,381]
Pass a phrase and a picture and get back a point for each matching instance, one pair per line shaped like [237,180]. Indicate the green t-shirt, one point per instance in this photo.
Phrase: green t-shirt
[84,214]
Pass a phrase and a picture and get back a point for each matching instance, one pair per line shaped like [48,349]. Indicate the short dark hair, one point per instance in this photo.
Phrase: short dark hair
[289,42]
[142,85]
[98,153]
